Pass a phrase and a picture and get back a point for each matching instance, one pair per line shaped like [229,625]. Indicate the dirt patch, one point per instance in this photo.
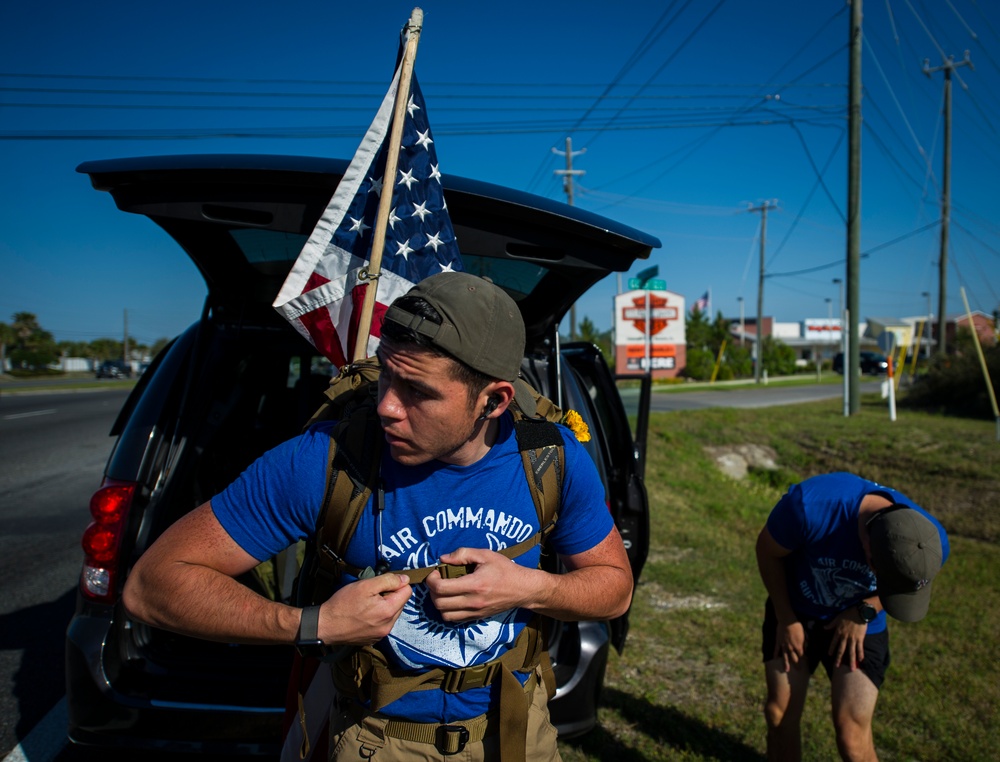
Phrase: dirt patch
[662,600]
[671,555]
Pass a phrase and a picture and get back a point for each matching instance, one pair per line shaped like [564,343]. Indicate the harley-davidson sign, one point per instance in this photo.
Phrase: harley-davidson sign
[650,342]
[659,313]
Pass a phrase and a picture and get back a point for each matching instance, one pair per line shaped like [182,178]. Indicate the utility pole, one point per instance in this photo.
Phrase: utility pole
[758,343]
[125,341]
[947,67]
[852,357]
[568,174]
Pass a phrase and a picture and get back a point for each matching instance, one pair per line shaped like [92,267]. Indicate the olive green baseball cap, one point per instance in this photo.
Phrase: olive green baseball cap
[481,324]
[906,554]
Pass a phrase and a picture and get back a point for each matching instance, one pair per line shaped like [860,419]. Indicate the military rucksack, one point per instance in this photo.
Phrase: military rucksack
[353,465]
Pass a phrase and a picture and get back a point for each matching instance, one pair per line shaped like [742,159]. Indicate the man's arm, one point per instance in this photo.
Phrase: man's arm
[597,585]
[184,583]
[790,641]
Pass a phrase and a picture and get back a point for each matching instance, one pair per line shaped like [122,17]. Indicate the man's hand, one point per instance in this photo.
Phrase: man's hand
[848,644]
[596,584]
[790,643]
[496,584]
[364,612]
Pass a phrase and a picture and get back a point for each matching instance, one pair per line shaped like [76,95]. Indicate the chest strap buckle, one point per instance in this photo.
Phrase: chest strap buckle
[466,678]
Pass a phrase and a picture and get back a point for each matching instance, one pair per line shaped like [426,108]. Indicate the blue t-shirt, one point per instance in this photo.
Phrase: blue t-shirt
[429,510]
[817,520]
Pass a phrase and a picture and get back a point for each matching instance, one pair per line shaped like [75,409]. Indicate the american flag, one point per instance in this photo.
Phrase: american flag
[323,293]
[322,298]
[703,302]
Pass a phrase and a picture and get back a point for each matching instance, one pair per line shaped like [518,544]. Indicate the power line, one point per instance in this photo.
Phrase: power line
[328,132]
[378,84]
[812,191]
[676,51]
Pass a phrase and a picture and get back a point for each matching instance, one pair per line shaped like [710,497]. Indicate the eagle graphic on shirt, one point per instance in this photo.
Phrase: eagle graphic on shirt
[421,638]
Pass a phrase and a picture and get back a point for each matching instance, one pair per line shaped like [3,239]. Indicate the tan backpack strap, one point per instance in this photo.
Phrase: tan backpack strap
[353,465]
[451,571]
[514,704]
[543,455]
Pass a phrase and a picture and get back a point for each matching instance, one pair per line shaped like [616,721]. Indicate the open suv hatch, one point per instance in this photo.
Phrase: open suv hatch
[240,380]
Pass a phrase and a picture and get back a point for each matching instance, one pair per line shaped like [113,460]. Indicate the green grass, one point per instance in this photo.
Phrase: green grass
[680,385]
[84,383]
[689,685]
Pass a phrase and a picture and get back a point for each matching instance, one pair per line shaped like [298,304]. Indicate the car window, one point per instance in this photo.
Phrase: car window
[630,391]
[265,247]
[517,278]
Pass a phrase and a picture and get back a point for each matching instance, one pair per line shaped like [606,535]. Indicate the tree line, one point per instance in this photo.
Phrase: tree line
[709,342]
[28,346]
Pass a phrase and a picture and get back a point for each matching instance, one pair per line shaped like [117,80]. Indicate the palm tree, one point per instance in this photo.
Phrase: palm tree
[25,326]
[33,345]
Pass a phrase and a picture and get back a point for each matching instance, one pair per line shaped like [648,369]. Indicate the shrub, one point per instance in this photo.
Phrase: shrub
[954,384]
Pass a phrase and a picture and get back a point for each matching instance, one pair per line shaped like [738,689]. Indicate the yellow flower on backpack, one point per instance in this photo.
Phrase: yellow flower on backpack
[577,425]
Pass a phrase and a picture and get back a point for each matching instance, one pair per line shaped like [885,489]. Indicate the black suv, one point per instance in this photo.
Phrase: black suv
[241,380]
[113,369]
[869,363]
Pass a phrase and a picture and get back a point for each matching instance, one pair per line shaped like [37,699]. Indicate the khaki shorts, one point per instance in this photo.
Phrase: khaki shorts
[347,743]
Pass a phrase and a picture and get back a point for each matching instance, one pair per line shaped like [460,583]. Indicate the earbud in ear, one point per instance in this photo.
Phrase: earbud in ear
[491,405]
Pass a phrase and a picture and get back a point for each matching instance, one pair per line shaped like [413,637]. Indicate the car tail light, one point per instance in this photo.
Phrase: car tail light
[102,539]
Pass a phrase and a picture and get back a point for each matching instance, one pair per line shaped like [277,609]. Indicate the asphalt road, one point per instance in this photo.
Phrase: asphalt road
[52,449]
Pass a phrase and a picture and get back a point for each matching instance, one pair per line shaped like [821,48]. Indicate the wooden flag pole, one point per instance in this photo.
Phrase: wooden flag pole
[374,269]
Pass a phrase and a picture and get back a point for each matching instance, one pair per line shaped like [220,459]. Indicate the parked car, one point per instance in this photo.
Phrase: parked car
[240,381]
[113,369]
[870,363]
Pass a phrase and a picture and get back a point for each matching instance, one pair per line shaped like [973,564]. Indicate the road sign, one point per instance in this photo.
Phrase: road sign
[652,285]
[649,272]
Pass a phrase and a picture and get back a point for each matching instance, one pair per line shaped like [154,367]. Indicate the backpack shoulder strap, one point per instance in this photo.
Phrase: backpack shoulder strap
[352,474]
[543,456]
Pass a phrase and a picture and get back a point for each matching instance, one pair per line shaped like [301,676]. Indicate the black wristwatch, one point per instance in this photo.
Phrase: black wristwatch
[867,612]
[307,641]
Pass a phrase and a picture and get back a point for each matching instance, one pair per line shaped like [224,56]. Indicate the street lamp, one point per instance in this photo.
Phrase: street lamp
[844,363]
[927,324]
[829,320]
[743,328]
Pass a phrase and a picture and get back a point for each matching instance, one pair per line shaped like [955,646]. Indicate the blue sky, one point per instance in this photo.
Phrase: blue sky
[690,113]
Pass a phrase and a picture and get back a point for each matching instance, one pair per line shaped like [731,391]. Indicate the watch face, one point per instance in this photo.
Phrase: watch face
[867,612]
[311,648]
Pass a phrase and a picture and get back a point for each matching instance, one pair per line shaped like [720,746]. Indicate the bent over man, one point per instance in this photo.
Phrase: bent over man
[837,554]
[453,491]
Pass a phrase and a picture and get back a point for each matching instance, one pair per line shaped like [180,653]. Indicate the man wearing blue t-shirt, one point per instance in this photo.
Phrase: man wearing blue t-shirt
[837,554]
[452,491]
